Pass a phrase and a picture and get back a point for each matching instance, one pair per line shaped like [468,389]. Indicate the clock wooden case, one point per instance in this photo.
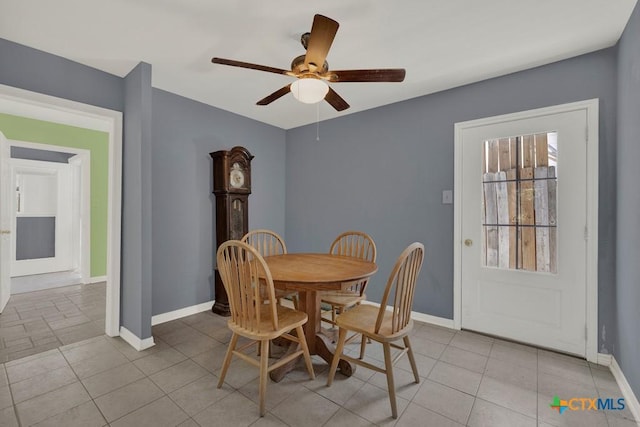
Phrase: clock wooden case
[231,186]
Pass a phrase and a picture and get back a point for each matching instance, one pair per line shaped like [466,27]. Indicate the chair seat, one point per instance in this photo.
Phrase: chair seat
[288,319]
[362,319]
[342,298]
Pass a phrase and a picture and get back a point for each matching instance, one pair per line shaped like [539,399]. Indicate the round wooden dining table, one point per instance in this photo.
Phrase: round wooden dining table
[309,273]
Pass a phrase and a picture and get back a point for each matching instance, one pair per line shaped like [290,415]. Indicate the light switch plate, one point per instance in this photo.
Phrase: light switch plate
[447,197]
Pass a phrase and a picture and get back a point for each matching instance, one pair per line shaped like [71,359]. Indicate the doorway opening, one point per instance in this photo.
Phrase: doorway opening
[51,226]
[22,104]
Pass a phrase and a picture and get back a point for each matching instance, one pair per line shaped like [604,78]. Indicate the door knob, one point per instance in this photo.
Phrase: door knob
[468,242]
[5,231]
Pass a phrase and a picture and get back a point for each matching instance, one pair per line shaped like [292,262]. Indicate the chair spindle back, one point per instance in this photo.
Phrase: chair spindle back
[266,242]
[354,244]
[401,287]
[241,269]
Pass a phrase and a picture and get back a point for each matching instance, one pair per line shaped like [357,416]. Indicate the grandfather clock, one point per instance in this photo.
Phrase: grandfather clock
[232,186]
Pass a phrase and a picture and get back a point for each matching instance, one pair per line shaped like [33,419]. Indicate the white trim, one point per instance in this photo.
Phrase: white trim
[434,320]
[134,341]
[96,279]
[422,317]
[180,313]
[591,108]
[629,396]
[114,230]
[44,107]
[81,170]
[457,226]
[604,359]
[593,140]
[82,158]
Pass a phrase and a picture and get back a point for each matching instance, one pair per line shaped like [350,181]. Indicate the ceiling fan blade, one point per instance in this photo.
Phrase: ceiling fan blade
[248,65]
[275,95]
[336,100]
[323,32]
[379,75]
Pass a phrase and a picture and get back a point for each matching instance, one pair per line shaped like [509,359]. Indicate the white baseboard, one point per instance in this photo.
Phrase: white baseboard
[434,320]
[629,397]
[604,359]
[421,317]
[134,341]
[97,279]
[180,313]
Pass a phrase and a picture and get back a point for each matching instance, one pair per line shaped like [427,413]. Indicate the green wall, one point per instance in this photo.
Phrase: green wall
[97,142]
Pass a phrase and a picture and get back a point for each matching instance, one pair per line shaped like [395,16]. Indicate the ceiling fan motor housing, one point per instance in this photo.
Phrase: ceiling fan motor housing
[298,66]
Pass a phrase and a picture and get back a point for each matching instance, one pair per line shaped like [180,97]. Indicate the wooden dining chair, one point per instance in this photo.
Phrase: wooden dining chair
[358,245]
[383,326]
[241,267]
[268,243]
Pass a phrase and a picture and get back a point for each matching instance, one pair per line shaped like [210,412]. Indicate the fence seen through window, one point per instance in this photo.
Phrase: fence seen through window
[519,180]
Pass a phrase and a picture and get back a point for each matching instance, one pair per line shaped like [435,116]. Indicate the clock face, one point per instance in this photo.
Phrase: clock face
[236,176]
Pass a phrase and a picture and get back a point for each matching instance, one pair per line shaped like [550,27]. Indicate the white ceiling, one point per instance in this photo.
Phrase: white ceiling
[441,43]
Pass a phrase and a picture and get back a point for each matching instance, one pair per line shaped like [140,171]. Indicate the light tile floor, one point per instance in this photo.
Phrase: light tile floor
[466,379]
[38,321]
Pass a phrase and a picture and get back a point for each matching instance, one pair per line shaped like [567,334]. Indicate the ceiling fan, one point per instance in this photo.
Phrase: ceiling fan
[312,71]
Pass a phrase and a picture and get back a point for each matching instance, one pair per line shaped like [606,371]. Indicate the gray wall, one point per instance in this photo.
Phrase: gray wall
[40,155]
[38,71]
[136,203]
[383,171]
[628,220]
[35,237]
[184,133]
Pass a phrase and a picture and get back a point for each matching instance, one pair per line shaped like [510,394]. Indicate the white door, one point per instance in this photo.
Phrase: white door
[523,232]
[5,223]
[43,230]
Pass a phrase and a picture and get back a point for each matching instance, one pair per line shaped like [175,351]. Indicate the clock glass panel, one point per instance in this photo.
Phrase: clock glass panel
[236,231]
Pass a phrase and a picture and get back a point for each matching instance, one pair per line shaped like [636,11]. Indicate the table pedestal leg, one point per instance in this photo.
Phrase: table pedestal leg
[326,349]
[309,302]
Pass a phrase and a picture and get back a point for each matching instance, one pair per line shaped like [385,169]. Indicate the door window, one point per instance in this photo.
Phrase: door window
[519,183]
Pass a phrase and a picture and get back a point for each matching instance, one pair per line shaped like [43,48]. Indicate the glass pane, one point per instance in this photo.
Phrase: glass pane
[519,181]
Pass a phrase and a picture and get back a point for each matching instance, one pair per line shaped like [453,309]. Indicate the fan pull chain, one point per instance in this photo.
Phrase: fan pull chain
[318,121]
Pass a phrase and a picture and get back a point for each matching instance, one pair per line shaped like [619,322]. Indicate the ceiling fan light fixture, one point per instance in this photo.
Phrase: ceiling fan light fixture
[309,90]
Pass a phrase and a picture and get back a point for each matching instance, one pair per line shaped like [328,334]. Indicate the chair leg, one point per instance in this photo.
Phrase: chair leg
[363,345]
[264,370]
[305,351]
[227,358]
[412,359]
[342,336]
[333,315]
[388,364]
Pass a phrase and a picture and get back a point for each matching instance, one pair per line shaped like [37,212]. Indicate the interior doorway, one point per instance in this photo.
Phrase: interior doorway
[47,109]
[50,228]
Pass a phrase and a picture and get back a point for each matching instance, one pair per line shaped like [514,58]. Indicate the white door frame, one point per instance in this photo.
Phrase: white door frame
[591,231]
[81,209]
[61,175]
[34,105]
[81,173]
[5,223]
